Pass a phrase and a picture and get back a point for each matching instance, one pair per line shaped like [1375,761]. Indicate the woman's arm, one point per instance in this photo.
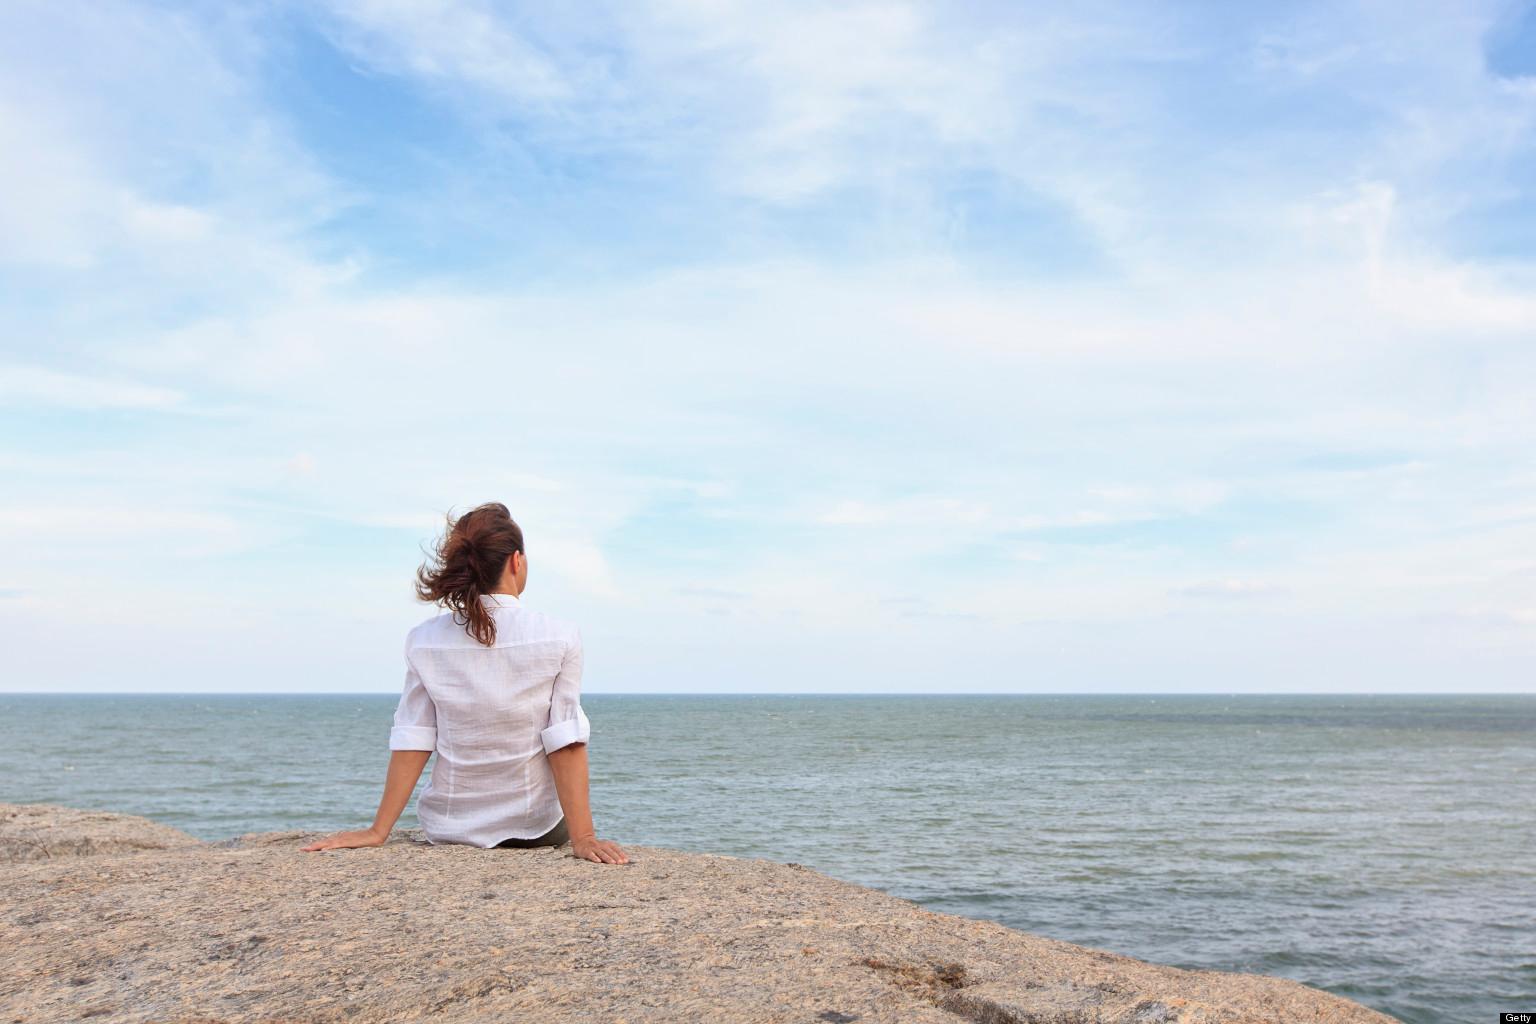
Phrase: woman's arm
[565,744]
[405,767]
[569,765]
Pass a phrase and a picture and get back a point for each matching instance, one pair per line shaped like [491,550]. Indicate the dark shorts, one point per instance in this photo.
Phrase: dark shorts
[554,837]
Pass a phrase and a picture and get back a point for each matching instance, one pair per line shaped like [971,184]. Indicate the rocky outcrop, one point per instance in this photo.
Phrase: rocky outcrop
[125,920]
[46,832]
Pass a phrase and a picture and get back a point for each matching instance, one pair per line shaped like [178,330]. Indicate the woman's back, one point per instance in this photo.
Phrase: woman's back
[491,713]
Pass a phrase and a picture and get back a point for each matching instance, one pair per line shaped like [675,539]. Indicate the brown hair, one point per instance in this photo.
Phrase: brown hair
[467,562]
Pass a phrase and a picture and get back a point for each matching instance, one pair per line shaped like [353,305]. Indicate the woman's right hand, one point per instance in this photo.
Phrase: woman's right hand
[347,841]
[600,850]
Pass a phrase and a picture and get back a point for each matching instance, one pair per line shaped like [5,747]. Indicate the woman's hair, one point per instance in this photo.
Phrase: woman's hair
[467,562]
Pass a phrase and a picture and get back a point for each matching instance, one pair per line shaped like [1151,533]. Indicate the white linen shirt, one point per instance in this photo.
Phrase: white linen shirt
[491,714]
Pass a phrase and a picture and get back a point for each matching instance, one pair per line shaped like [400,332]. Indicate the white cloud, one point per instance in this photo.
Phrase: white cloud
[89,526]
[35,385]
[451,42]
[908,512]
[153,180]
[822,431]
[580,563]
[1229,589]
[302,464]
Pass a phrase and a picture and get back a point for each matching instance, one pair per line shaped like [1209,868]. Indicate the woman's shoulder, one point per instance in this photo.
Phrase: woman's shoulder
[429,630]
[549,625]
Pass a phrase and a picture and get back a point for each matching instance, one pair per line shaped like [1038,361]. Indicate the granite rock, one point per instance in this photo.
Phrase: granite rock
[47,832]
[125,920]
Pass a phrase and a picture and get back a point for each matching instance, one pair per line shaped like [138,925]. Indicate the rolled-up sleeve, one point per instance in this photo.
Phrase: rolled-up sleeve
[567,722]
[415,726]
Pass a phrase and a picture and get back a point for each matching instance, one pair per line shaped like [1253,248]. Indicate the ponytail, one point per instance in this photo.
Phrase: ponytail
[468,562]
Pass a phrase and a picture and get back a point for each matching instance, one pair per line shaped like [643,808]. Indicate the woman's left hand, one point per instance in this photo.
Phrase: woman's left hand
[600,850]
[347,840]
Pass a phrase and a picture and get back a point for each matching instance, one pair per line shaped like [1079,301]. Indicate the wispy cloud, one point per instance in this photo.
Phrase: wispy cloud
[785,330]
[33,385]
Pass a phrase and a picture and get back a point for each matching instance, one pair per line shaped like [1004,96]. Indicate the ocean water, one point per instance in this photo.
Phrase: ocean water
[1380,847]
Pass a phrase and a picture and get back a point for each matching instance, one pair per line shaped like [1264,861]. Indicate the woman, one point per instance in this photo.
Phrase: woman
[498,700]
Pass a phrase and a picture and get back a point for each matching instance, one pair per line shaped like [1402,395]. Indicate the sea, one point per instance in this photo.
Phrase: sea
[1379,847]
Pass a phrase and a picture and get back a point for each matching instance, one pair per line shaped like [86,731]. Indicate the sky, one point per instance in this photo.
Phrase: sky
[874,347]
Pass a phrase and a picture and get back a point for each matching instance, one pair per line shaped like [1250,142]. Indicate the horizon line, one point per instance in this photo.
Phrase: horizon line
[805,693]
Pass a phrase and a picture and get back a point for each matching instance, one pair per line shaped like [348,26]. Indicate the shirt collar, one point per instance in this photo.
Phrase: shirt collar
[506,600]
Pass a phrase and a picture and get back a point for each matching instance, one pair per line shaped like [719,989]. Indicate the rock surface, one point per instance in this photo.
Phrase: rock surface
[125,920]
[46,832]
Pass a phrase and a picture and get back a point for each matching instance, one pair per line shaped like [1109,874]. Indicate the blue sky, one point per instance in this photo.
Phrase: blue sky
[885,347]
